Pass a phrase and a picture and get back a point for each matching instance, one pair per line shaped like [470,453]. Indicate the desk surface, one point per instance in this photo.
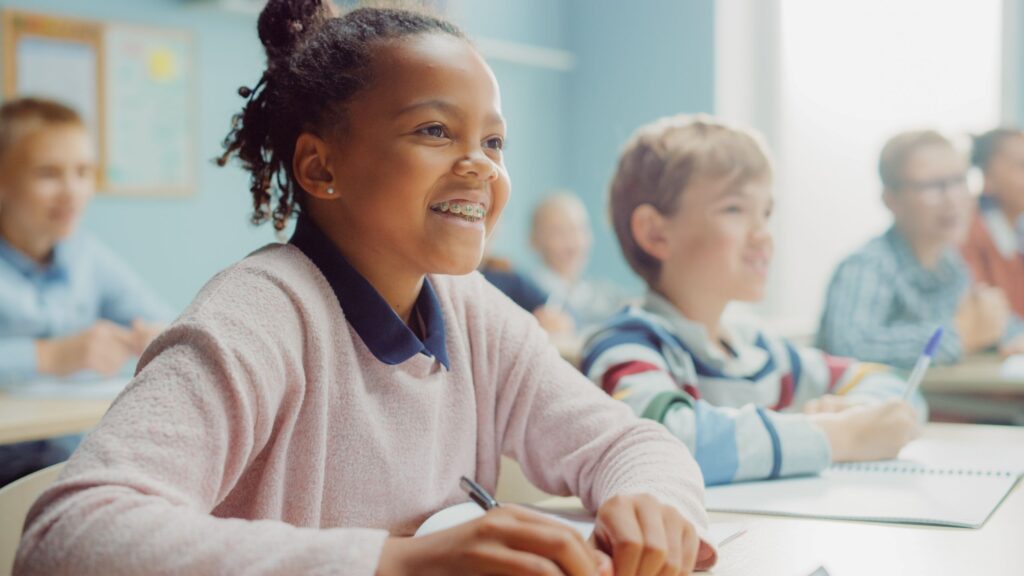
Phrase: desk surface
[975,374]
[24,419]
[778,546]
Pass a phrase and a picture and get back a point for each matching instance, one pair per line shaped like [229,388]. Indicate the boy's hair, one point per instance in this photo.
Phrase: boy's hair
[898,150]
[665,157]
[987,145]
[22,115]
[316,62]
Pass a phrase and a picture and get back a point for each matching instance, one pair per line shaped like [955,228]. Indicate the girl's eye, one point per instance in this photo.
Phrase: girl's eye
[496,143]
[734,209]
[434,131]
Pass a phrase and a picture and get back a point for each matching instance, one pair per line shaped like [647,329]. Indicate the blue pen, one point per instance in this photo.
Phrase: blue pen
[922,364]
[478,494]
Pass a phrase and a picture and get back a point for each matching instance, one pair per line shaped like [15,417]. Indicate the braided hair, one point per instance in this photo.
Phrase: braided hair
[316,62]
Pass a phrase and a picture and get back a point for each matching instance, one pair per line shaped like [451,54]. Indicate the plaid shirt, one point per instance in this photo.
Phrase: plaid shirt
[882,305]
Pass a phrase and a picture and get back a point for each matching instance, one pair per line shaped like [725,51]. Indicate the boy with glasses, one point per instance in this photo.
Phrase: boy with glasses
[885,300]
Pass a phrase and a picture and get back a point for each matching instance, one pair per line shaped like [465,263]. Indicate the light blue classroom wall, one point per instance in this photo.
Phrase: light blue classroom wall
[541,23]
[535,105]
[178,244]
[636,61]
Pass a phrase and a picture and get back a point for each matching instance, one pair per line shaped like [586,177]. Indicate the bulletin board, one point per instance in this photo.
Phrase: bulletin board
[149,118]
[133,85]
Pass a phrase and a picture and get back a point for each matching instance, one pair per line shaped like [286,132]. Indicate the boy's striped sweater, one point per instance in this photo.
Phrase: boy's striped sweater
[739,414]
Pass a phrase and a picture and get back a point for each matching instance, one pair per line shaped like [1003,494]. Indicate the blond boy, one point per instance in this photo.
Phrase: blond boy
[690,203]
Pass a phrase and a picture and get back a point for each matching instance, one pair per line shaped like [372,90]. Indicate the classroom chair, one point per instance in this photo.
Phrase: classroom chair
[514,487]
[15,500]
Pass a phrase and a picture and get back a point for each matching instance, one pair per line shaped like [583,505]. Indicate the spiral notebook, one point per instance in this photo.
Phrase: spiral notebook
[886,491]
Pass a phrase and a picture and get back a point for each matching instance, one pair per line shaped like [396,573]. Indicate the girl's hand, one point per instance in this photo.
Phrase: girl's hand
[507,540]
[646,538]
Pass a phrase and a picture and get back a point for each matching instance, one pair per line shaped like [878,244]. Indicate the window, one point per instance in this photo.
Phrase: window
[828,83]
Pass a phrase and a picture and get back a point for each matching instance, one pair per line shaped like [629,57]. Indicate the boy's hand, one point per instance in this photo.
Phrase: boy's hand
[509,540]
[869,432]
[1015,346]
[981,317]
[647,538]
[554,322]
[144,333]
[831,403]
[104,347]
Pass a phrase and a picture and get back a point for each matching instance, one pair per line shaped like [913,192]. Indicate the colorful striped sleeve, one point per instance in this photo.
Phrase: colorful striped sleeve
[729,444]
[823,374]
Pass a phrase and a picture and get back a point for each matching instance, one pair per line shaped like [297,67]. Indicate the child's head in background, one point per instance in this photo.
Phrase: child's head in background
[384,126]
[47,174]
[690,204]
[925,187]
[999,153]
[560,233]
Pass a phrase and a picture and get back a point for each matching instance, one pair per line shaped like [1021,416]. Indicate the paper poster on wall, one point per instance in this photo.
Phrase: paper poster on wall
[149,121]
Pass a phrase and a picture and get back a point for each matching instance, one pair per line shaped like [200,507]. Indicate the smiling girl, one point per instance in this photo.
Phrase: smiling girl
[321,398]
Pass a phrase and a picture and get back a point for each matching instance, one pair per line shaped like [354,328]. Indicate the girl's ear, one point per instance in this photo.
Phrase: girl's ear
[648,227]
[311,169]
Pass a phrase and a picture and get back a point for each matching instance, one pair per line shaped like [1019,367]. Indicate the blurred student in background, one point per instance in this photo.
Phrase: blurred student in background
[522,290]
[886,299]
[68,305]
[995,242]
[561,235]
[691,204]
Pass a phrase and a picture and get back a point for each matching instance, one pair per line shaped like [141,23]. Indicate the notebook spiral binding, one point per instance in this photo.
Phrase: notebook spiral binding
[910,468]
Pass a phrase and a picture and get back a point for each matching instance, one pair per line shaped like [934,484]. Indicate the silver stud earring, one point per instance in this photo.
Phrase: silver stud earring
[330,190]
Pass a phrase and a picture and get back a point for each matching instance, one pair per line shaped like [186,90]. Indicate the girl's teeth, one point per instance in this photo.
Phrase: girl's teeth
[469,210]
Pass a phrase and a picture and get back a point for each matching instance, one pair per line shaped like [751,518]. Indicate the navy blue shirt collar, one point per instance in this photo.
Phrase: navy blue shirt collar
[383,332]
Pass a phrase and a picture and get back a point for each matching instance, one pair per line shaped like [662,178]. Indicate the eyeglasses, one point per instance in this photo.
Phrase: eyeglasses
[932,189]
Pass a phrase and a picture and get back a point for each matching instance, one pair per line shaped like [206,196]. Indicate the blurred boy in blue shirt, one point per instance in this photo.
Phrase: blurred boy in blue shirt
[68,305]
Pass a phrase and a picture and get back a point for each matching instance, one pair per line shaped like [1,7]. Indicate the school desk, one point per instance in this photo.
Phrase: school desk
[975,390]
[779,546]
[24,419]
[974,375]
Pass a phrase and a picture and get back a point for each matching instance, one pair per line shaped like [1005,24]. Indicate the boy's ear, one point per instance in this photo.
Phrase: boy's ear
[648,227]
[888,199]
[310,167]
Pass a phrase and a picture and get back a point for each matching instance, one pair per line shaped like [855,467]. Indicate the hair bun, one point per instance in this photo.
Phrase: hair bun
[284,23]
